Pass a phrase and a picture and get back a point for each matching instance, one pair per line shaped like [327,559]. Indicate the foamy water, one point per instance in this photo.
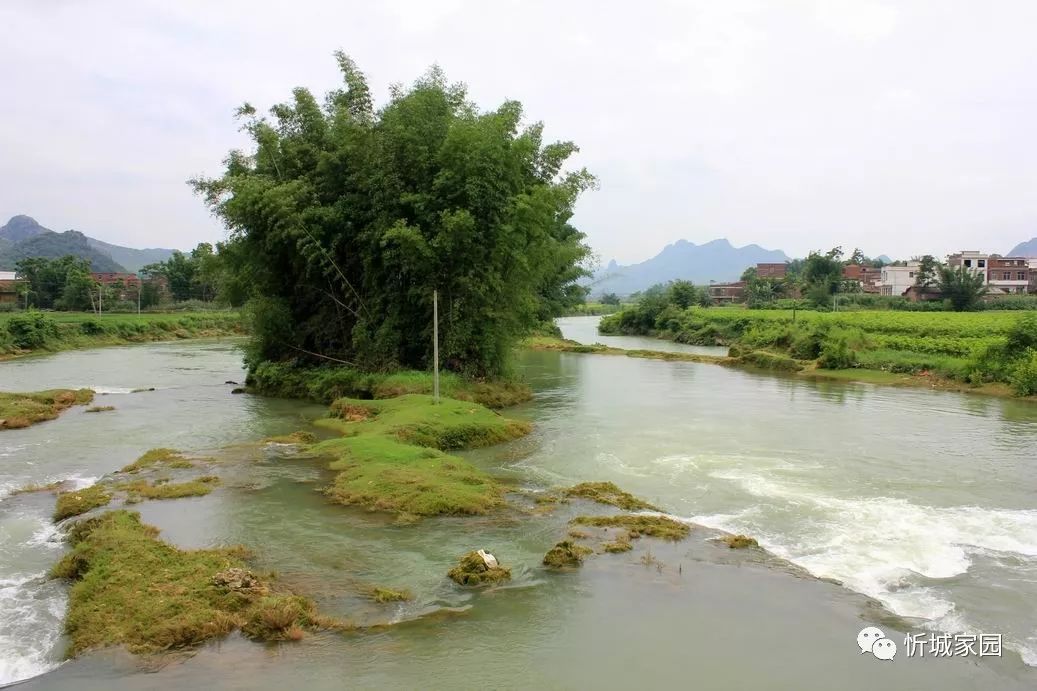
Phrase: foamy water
[904,554]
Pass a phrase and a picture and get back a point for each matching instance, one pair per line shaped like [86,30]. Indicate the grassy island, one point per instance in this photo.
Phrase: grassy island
[18,410]
[393,455]
[131,588]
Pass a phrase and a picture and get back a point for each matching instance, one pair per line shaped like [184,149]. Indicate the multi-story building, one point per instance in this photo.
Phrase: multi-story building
[1007,275]
[868,277]
[775,270]
[895,280]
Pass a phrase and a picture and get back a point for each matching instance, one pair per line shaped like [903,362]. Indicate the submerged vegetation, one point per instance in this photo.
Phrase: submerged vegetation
[392,457]
[100,409]
[472,570]
[382,594]
[132,589]
[19,410]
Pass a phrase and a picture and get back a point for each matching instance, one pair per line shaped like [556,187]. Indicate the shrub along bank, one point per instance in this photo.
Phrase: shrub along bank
[329,383]
[33,331]
[975,348]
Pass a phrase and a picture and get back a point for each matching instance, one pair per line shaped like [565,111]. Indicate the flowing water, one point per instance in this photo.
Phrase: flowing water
[922,501]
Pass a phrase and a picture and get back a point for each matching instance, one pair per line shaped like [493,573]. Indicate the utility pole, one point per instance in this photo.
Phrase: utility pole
[139,286]
[435,347]
[100,292]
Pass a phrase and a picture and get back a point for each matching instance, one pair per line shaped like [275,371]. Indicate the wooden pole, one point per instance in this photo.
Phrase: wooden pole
[435,346]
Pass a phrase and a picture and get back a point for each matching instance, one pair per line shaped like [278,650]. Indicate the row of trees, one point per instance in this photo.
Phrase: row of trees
[345,218]
[65,284]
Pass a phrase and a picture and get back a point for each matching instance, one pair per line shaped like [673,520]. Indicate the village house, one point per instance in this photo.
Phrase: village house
[1001,275]
[869,278]
[9,282]
[896,280]
[726,293]
[771,270]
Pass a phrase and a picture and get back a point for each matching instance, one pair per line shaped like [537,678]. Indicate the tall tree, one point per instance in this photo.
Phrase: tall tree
[961,287]
[345,219]
[928,271]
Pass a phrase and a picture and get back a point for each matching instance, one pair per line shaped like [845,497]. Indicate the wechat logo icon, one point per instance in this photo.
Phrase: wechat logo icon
[872,640]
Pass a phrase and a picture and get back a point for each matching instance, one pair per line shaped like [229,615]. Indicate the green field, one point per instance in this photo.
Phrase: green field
[974,347]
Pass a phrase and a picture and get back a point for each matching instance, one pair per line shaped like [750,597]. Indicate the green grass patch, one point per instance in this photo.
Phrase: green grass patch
[392,457]
[132,589]
[608,493]
[100,409]
[19,410]
[170,458]
[637,525]
[139,490]
[76,502]
[620,544]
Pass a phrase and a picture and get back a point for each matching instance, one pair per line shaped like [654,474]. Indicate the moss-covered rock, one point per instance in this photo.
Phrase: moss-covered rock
[472,570]
[566,554]
[739,541]
[169,458]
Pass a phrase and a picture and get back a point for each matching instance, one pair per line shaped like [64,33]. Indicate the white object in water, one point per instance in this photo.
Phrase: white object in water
[488,559]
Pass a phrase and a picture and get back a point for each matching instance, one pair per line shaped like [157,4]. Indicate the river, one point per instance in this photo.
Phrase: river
[921,503]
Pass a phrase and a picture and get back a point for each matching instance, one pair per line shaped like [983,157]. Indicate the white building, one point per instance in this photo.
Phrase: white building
[897,279]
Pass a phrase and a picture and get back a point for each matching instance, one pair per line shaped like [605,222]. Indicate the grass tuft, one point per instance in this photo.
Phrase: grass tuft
[739,541]
[76,502]
[100,409]
[171,458]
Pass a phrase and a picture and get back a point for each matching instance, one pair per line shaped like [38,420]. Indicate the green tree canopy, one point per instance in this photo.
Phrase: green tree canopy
[345,218]
[961,287]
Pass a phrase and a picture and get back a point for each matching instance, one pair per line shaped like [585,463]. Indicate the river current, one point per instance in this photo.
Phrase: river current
[917,507]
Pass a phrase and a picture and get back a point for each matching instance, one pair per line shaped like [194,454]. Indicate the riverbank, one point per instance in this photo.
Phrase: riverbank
[27,333]
[993,353]
[20,410]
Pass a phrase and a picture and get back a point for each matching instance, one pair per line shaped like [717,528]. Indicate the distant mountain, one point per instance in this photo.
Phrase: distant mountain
[132,259]
[21,228]
[23,237]
[53,245]
[1024,249]
[717,261]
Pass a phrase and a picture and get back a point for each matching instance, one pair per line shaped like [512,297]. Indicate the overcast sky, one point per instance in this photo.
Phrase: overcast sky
[901,127]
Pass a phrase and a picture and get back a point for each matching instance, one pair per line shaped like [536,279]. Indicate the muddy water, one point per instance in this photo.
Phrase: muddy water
[921,500]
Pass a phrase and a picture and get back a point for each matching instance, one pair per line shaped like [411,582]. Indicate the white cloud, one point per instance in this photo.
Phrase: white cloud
[899,127]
